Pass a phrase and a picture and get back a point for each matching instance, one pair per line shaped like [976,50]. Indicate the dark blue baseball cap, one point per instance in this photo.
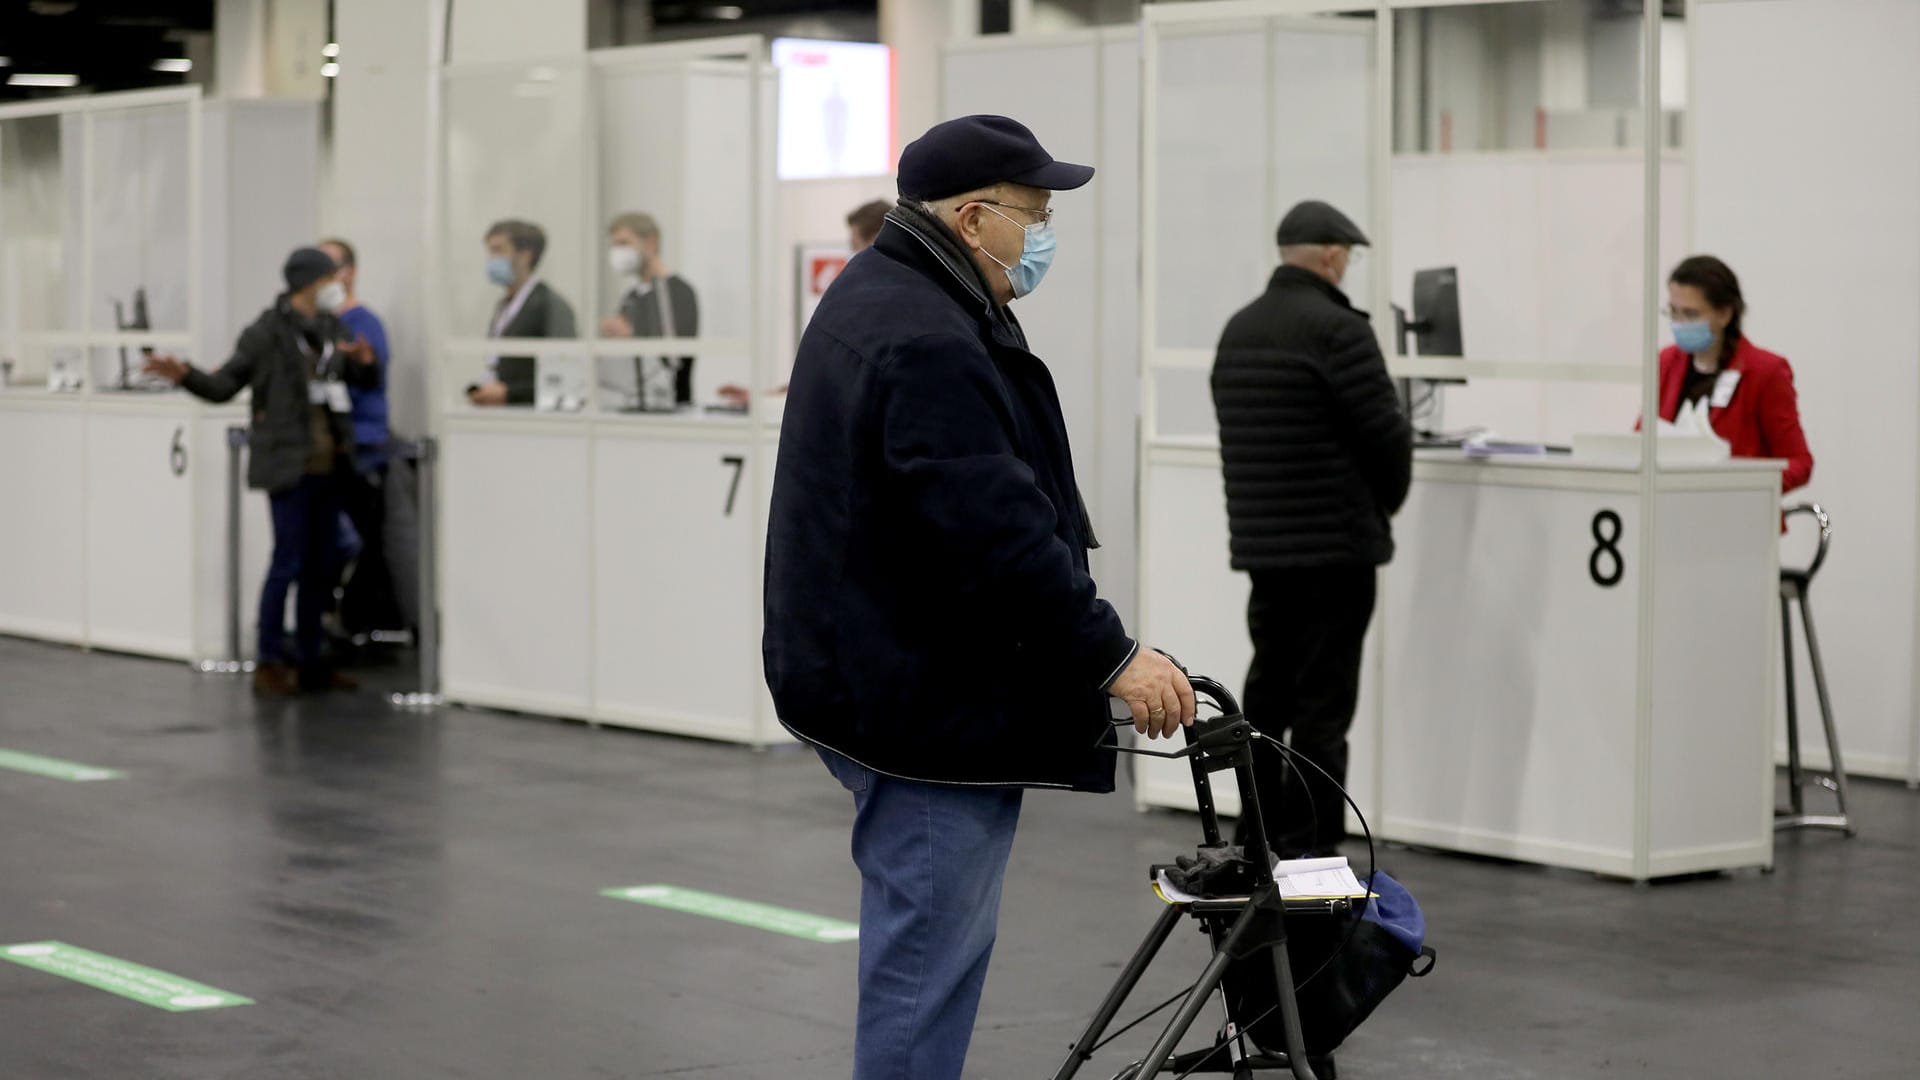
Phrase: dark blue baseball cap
[973,152]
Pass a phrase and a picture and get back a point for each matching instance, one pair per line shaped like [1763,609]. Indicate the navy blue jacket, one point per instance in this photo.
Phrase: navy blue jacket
[929,611]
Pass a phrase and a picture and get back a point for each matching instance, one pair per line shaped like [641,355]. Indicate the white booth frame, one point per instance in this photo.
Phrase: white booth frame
[1160,20]
[1888,766]
[756,433]
[199,428]
[88,106]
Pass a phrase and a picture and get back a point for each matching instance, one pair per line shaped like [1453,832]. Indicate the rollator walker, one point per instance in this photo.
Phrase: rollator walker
[1238,927]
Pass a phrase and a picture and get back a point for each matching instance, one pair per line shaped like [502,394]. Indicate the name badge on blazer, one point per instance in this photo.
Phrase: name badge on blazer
[1723,388]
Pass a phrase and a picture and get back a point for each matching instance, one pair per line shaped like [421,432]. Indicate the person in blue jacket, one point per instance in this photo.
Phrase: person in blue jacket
[931,625]
[368,602]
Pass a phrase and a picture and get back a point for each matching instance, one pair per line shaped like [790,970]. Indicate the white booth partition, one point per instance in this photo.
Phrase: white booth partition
[1085,321]
[122,232]
[1841,132]
[1245,113]
[1547,250]
[602,555]
[1519,696]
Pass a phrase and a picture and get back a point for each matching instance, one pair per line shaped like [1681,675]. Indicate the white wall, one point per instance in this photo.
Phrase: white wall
[269,48]
[1084,320]
[262,166]
[917,30]
[39,214]
[1490,68]
[1457,79]
[1563,55]
[488,30]
[377,191]
[1613,63]
[1838,133]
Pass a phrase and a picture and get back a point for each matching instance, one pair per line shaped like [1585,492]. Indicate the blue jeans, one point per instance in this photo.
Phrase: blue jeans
[305,552]
[931,859]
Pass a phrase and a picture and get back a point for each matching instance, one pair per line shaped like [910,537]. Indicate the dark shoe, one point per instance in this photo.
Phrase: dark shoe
[274,679]
[320,680]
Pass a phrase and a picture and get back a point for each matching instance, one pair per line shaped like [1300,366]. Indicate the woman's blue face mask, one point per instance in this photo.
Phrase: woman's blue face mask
[1693,337]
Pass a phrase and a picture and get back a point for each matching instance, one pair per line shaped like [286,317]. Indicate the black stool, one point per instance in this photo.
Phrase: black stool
[1793,587]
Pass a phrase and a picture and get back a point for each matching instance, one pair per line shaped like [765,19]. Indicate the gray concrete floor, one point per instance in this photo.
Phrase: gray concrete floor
[417,897]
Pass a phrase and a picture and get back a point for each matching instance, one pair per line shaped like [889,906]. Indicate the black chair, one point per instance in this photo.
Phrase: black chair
[1794,585]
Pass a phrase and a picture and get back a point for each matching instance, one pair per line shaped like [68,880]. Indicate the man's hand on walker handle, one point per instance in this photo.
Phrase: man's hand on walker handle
[1157,692]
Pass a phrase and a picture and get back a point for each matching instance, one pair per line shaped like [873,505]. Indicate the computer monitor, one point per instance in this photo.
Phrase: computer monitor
[1436,324]
[131,376]
[1436,312]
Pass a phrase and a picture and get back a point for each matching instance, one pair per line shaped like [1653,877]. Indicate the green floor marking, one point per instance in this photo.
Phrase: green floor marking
[742,912]
[115,976]
[54,767]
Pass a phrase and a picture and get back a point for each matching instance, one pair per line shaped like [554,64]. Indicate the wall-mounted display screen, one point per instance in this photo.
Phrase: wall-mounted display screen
[836,108]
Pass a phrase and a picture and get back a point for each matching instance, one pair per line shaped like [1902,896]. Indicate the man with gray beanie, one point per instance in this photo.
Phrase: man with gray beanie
[1317,457]
[931,626]
[298,360]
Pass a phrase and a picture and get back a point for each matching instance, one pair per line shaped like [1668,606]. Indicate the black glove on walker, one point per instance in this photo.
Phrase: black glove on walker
[1213,872]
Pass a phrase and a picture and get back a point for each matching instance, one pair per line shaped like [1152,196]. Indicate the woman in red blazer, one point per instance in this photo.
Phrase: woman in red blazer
[1748,390]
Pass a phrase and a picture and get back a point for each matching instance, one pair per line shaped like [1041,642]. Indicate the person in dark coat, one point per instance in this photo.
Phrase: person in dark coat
[1317,457]
[528,308]
[299,361]
[931,626]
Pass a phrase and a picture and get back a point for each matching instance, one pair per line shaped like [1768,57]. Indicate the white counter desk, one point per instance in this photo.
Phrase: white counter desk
[606,567]
[115,522]
[1504,710]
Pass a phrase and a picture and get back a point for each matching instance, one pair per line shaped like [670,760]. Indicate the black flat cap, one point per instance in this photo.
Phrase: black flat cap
[1314,222]
[973,152]
[305,266]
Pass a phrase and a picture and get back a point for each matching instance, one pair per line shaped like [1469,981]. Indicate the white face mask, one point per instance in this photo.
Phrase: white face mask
[332,297]
[625,261]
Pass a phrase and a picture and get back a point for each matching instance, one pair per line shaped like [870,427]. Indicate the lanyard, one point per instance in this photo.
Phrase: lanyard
[507,313]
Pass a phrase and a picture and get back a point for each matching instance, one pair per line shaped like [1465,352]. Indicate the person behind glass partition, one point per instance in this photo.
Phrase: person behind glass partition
[1744,392]
[863,228]
[863,225]
[530,308]
[655,303]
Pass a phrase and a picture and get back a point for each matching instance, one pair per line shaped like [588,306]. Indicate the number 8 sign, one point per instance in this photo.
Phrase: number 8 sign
[1606,537]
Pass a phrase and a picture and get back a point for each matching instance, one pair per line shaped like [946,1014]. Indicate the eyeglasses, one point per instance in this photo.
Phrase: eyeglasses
[1045,212]
[1683,314]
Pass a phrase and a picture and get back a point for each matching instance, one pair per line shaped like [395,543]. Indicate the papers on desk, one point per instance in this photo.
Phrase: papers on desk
[1484,446]
[1299,879]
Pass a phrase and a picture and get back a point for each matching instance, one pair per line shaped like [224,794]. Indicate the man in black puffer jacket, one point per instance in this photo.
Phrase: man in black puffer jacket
[1317,457]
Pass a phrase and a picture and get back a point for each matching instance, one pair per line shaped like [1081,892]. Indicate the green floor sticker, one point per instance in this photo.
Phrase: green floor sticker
[743,912]
[54,767]
[144,985]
